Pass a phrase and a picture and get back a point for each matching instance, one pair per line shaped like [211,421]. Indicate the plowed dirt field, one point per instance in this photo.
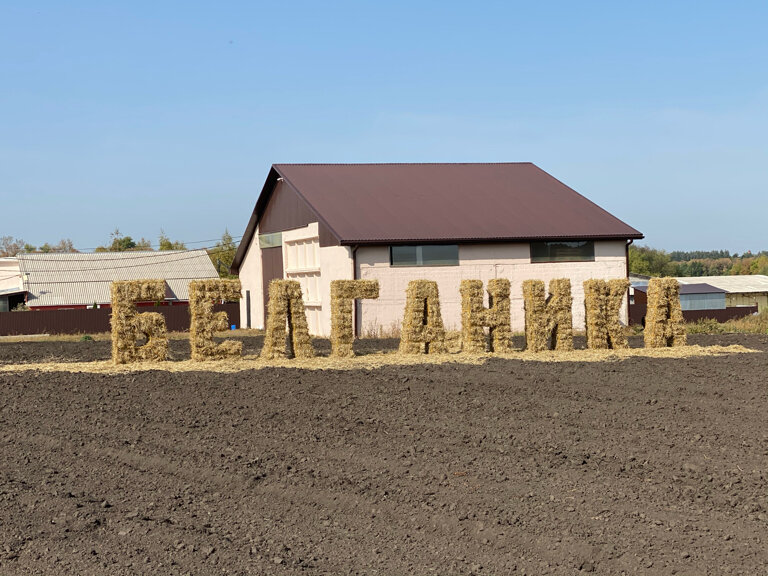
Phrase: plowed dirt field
[640,466]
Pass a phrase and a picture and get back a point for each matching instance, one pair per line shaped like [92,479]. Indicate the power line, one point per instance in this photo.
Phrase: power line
[113,256]
[100,268]
[234,239]
[91,250]
[110,280]
[109,256]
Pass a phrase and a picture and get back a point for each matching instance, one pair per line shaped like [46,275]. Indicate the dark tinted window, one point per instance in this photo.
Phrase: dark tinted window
[439,255]
[403,256]
[560,251]
[425,255]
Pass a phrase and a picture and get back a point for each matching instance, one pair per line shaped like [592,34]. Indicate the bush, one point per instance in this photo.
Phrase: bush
[754,324]
[86,338]
[705,326]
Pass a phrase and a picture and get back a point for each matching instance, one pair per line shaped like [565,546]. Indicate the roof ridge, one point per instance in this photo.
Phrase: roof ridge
[399,163]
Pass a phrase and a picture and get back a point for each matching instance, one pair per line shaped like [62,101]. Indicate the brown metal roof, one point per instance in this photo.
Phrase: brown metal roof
[399,203]
[700,288]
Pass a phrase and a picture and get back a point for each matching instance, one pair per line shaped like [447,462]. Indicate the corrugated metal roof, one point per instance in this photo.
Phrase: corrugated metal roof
[371,203]
[733,284]
[84,279]
[698,288]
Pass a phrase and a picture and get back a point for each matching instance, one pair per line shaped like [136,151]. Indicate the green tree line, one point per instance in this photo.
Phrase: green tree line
[653,262]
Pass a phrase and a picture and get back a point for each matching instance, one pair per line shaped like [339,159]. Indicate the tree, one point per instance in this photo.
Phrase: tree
[222,254]
[64,245]
[167,244]
[122,243]
[11,247]
[695,268]
[650,262]
[143,244]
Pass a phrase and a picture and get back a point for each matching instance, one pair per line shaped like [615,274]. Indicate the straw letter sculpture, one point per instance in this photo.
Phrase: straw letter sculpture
[128,325]
[602,305]
[548,318]
[422,331]
[343,295]
[474,316]
[664,324]
[286,307]
[203,294]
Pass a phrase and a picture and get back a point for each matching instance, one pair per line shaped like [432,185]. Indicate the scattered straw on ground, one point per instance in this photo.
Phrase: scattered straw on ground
[107,336]
[370,361]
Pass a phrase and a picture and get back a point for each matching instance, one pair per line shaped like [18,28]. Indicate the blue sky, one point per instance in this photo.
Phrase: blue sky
[145,116]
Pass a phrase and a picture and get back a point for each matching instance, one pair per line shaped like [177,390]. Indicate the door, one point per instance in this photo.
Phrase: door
[272,268]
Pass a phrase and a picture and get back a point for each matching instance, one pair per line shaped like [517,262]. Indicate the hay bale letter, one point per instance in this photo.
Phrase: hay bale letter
[286,307]
[664,323]
[548,318]
[128,325]
[474,316]
[602,306]
[343,295]
[422,331]
[203,294]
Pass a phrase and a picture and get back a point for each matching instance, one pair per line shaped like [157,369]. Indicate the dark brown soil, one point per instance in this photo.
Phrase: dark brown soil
[646,466]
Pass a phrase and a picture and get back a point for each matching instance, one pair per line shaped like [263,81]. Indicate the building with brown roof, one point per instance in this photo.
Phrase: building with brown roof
[399,222]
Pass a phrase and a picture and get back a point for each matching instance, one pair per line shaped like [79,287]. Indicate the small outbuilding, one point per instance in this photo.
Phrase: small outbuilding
[745,290]
[394,223]
[697,301]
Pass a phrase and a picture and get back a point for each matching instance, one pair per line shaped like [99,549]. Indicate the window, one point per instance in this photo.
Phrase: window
[271,240]
[562,251]
[424,255]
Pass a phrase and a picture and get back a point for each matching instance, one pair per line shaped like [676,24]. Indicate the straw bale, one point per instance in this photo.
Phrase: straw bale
[286,307]
[204,322]
[474,316]
[548,320]
[422,330]
[602,306]
[128,325]
[152,326]
[664,323]
[343,295]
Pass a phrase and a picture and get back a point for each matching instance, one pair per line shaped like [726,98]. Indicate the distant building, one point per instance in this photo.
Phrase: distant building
[80,280]
[742,290]
[12,291]
[697,301]
[394,223]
